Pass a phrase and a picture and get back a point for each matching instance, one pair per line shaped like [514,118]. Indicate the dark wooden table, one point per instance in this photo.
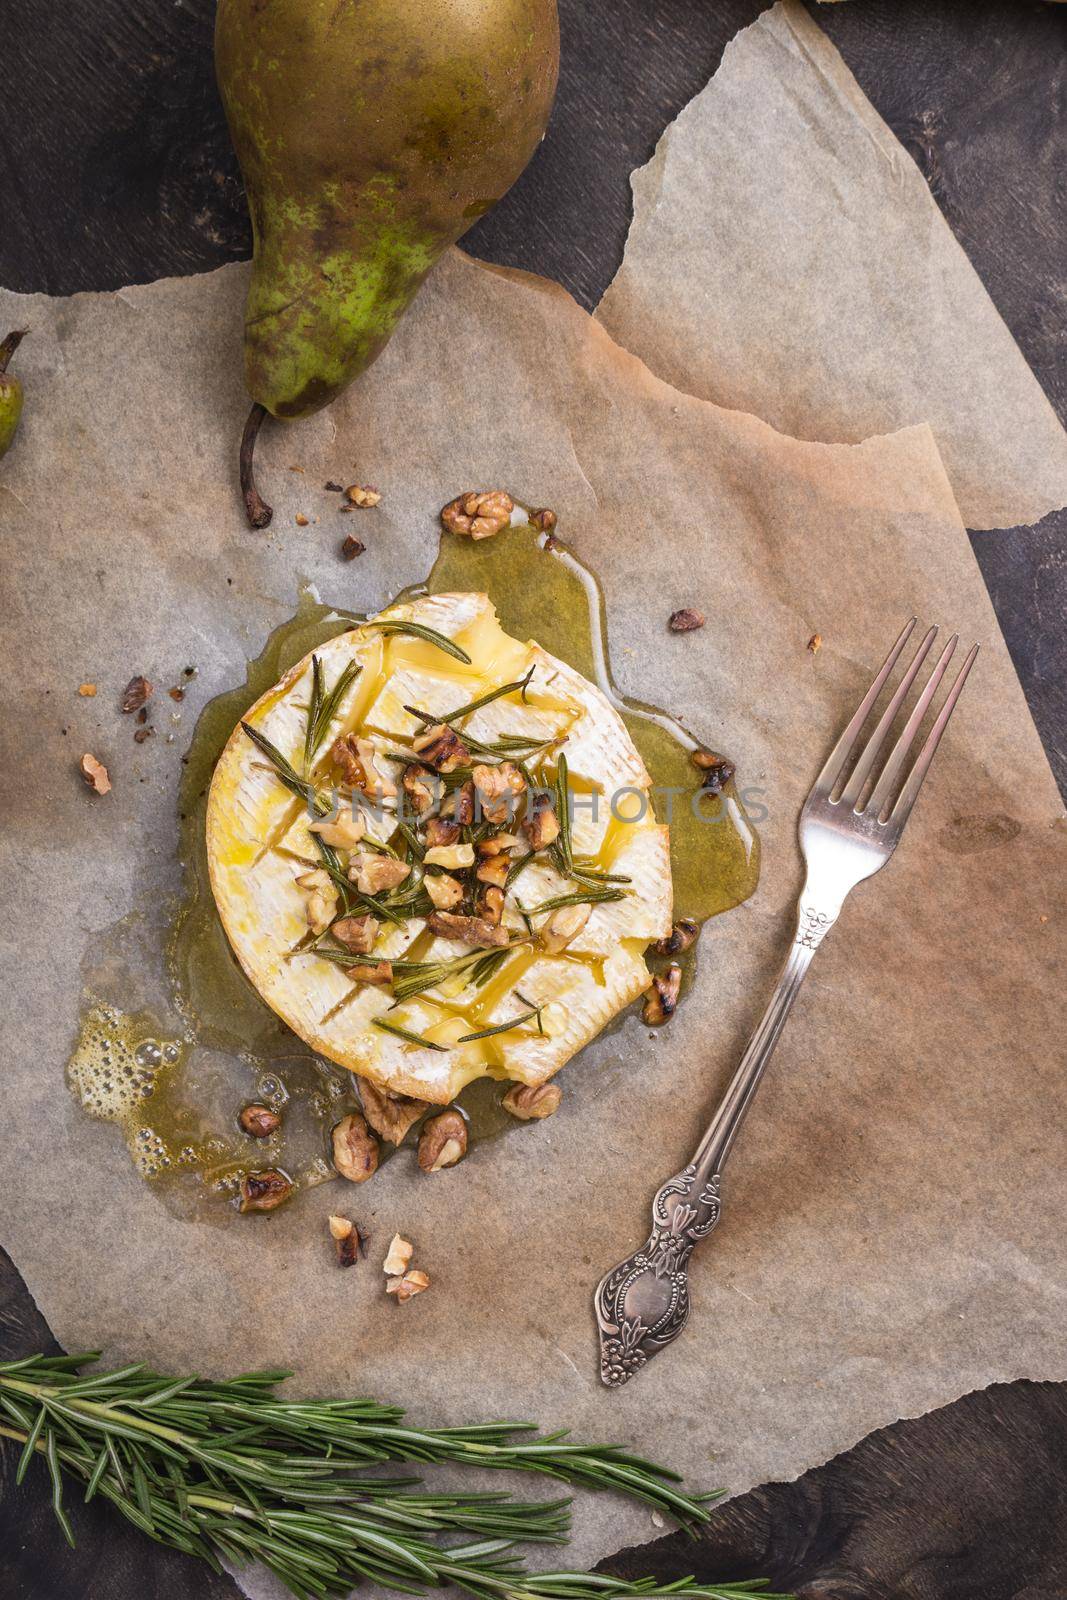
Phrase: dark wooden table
[115,168]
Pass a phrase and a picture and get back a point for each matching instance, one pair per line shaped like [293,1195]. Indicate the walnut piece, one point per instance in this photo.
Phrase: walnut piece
[541,827]
[321,909]
[343,832]
[264,1190]
[662,996]
[95,774]
[376,784]
[478,515]
[357,933]
[259,1122]
[441,748]
[544,519]
[439,832]
[563,926]
[494,869]
[398,1256]
[377,972]
[686,620]
[347,1239]
[815,643]
[716,769]
[461,804]
[87,690]
[420,787]
[450,855]
[344,752]
[444,891]
[363,495]
[467,930]
[442,1142]
[391,1115]
[355,1148]
[351,547]
[135,693]
[411,1283]
[491,906]
[498,789]
[532,1101]
[680,938]
[372,873]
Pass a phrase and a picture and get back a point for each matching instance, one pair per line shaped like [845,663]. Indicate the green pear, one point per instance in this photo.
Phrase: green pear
[10,393]
[371,134]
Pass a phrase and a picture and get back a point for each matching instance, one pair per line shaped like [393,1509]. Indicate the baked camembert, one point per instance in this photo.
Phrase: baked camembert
[434,853]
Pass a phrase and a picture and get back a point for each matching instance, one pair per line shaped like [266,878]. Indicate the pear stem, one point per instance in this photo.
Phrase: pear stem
[10,345]
[258,511]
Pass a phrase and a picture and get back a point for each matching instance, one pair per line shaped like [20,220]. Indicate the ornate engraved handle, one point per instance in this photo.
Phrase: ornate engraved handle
[643,1303]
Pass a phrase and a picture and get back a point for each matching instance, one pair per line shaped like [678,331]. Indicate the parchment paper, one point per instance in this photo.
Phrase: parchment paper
[786,258]
[893,1228]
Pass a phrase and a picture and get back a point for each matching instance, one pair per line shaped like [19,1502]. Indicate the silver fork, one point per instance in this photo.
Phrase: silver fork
[848,830]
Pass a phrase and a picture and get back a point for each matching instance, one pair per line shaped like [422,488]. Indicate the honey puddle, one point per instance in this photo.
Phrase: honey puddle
[174,1040]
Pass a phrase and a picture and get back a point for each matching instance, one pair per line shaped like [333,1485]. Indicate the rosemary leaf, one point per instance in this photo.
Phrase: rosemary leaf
[583,897]
[563,812]
[521,685]
[502,1027]
[324,705]
[416,630]
[287,773]
[406,1033]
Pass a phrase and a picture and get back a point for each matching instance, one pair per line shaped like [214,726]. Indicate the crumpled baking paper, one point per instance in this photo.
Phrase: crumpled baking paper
[892,1231]
[786,258]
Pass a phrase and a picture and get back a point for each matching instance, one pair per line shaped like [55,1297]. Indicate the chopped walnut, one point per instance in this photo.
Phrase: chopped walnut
[87,690]
[450,855]
[439,832]
[322,908]
[135,693]
[357,933]
[355,1148]
[662,996]
[815,643]
[351,547]
[420,787]
[259,1122]
[363,495]
[95,774]
[717,772]
[563,926]
[264,1191]
[686,620]
[478,516]
[376,783]
[398,1256]
[410,1284]
[376,972]
[391,1115]
[441,748]
[300,520]
[347,1239]
[680,938]
[498,789]
[467,930]
[491,906]
[372,873]
[494,869]
[541,827]
[498,842]
[142,734]
[532,1101]
[444,891]
[544,519]
[317,878]
[442,1142]
[344,753]
[461,804]
[343,832]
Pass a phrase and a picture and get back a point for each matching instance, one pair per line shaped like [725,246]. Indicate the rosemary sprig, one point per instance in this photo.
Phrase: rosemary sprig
[521,685]
[287,773]
[505,1027]
[324,704]
[231,1470]
[418,976]
[406,1033]
[582,897]
[563,814]
[416,630]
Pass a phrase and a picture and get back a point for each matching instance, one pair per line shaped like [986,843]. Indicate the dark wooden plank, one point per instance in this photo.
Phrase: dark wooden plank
[965,1503]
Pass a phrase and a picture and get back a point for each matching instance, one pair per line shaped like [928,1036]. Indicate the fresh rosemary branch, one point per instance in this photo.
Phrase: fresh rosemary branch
[323,707]
[287,773]
[416,630]
[405,1033]
[229,1470]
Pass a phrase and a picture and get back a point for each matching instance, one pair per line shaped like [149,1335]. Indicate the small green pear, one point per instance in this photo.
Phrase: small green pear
[371,134]
[10,392]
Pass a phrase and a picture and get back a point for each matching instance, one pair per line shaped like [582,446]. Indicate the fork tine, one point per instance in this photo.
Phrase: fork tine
[872,749]
[901,810]
[892,769]
[841,751]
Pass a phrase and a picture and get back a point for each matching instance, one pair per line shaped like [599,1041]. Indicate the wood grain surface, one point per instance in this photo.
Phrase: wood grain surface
[115,168]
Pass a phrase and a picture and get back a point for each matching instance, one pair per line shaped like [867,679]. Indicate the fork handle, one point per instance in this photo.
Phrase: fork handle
[643,1303]
[813,924]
